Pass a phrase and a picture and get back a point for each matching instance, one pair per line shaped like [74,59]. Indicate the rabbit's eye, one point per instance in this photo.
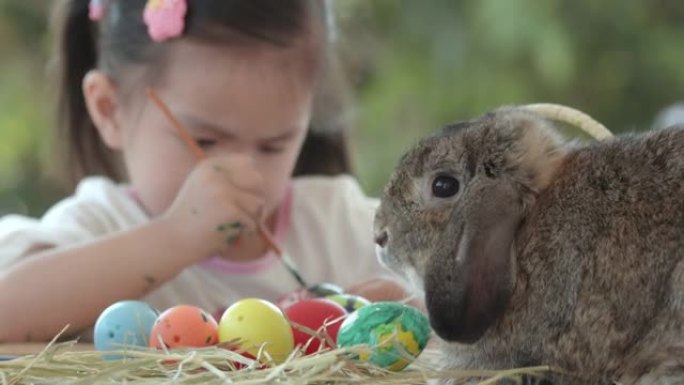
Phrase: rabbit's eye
[444,186]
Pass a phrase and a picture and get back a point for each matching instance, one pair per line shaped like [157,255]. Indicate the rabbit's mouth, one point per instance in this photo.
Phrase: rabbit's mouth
[387,259]
[391,261]
[403,270]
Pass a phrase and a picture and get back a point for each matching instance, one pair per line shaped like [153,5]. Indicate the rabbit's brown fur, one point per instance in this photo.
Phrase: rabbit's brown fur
[558,254]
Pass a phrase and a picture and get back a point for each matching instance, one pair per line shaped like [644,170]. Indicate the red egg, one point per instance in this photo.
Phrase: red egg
[322,316]
[184,326]
[239,365]
[320,290]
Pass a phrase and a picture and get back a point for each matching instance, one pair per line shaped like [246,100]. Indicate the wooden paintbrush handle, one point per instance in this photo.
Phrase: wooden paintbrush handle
[200,154]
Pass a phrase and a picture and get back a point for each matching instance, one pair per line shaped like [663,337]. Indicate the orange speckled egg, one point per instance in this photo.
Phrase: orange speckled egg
[184,326]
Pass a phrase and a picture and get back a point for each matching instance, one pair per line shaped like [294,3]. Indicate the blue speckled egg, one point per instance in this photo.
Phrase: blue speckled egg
[124,324]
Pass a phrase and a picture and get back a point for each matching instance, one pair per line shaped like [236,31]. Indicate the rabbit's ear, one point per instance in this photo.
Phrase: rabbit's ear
[468,283]
[468,287]
[465,294]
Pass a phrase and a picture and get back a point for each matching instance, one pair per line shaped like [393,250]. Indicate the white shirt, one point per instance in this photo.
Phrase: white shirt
[324,225]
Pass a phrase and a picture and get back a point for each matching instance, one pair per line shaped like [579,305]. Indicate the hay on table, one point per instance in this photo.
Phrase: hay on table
[215,365]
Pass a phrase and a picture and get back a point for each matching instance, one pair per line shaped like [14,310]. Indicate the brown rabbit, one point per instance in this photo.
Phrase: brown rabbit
[532,251]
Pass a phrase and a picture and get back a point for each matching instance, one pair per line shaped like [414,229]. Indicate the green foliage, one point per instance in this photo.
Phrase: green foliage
[433,62]
[414,66]
[25,124]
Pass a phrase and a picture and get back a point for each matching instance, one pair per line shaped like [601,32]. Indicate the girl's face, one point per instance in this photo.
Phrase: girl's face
[253,101]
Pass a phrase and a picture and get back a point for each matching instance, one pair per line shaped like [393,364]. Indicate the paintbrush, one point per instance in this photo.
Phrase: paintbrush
[199,155]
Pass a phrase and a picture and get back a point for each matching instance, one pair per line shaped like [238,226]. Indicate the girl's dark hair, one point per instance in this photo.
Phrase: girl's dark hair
[121,39]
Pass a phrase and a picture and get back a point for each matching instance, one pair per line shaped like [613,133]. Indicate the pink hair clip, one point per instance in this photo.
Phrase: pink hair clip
[95,10]
[165,19]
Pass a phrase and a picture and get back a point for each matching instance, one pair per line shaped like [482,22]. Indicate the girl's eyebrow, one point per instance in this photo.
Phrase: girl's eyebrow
[195,122]
[192,121]
[282,137]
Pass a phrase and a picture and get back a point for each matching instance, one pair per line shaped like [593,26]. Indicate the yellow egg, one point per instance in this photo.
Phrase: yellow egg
[257,323]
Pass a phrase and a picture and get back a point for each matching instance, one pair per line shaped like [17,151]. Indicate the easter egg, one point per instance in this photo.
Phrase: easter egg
[125,323]
[323,289]
[395,333]
[315,291]
[349,302]
[320,315]
[184,326]
[256,323]
[291,298]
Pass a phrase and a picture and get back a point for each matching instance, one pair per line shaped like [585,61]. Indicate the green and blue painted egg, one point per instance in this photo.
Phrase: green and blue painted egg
[395,333]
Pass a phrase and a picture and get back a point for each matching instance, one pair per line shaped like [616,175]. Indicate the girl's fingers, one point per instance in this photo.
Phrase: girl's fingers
[229,232]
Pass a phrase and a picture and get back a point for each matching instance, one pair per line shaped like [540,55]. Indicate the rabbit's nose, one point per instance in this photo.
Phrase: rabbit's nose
[381,239]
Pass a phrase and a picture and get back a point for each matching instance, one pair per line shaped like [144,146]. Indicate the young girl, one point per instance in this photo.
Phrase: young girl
[244,78]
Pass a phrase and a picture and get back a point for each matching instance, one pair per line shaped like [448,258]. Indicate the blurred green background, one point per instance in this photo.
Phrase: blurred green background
[414,65]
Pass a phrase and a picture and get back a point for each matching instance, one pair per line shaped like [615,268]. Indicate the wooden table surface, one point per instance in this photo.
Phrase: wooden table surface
[34,347]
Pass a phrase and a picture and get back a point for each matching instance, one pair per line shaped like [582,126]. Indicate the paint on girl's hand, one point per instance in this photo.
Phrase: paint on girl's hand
[229,226]
[233,240]
[234,229]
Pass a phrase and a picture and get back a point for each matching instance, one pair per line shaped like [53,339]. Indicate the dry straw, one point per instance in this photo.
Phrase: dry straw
[214,365]
[59,364]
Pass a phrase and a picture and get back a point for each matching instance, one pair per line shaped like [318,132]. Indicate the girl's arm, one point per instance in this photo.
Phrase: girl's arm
[72,285]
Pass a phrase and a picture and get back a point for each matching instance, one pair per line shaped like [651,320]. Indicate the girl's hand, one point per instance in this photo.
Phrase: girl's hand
[220,200]
[385,289]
